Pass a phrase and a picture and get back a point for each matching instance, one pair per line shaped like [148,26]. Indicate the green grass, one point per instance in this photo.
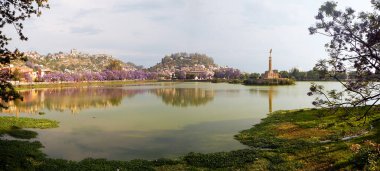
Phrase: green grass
[233,159]
[22,134]
[13,126]
[307,139]
[312,139]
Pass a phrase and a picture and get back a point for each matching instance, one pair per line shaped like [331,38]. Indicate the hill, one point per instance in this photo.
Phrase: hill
[74,61]
[179,60]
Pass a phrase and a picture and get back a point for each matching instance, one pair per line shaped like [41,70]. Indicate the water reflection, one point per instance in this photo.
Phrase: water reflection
[131,144]
[72,99]
[78,99]
[266,92]
[167,120]
[184,97]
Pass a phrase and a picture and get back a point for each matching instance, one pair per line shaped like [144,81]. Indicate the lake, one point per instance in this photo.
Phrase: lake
[150,121]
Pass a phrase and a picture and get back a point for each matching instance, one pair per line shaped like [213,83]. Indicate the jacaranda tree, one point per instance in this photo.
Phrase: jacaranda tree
[354,48]
[13,13]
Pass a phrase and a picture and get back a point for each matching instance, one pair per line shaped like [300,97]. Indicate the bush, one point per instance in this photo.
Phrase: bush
[278,81]
[222,159]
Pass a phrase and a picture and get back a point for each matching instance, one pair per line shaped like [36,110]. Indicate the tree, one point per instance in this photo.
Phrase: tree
[254,76]
[354,47]
[115,65]
[284,74]
[12,13]
[295,73]
[16,75]
[181,75]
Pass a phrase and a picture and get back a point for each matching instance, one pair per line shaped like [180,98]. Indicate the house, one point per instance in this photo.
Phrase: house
[42,72]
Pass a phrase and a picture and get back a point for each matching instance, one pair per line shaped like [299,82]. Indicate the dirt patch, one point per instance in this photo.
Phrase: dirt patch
[289,130]
[286,126]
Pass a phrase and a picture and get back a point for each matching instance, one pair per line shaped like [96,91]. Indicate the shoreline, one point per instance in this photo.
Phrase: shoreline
[34,85]
[80,84]
[284,140]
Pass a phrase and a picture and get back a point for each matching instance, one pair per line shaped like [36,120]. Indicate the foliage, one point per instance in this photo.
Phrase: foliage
[19,155]
[181,75]
[106,75]
[13,125]
[367,156]
[218,80]
[12,13]
[227,73]
[7,91]
[22,134]
[354,47]
[80,62]
[311,75]
[277,81]
[16,75]
[236,81]
[114,66]
[310,139]
[221,159]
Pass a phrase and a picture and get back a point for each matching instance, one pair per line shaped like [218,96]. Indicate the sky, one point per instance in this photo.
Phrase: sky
[235,33]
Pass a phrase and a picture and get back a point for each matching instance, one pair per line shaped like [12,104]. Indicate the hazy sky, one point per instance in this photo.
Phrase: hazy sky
[237,33]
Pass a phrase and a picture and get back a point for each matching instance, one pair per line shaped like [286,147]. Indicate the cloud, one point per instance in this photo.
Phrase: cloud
[235,33]
[146,5]
[85,30]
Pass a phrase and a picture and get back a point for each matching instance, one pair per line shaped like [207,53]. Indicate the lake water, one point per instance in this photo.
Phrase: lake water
[154,120]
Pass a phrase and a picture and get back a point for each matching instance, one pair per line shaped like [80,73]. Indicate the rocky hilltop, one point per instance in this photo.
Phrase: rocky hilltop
[181,60]
[74,61]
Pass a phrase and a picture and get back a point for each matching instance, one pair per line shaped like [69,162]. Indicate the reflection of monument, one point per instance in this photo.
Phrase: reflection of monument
[267,92]
[184,97]
[270,98]
[270,74]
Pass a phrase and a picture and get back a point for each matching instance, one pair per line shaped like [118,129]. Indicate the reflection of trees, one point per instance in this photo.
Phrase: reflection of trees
[73,99]
[77,99]
[184,97]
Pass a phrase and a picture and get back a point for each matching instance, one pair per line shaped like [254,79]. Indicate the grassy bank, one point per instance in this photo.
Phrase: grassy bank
[315,140]
[307,139]
[82,84]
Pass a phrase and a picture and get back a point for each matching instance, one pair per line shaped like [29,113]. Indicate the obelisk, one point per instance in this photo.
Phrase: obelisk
[270,61]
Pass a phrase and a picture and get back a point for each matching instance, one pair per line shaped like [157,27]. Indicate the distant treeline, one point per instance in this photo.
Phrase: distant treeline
[296,74]
[311,75]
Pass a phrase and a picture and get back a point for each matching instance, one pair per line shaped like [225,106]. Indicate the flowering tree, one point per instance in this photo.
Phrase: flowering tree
[181,75]
[12,13]
[100,76]
[354,47]
[27,77]
[227,73]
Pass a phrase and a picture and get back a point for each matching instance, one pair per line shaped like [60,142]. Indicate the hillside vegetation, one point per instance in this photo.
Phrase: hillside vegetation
[179,60]
[74,62]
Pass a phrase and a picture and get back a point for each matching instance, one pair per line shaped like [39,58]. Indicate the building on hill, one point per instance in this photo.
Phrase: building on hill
[73,52]
[41,72]
[270,74]
[24,73]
